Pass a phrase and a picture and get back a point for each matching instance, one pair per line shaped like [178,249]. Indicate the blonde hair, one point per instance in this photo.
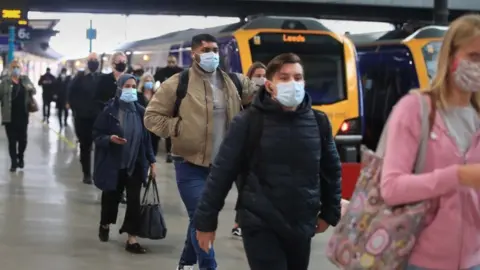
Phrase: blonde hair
[115,55]
[143,80]
[460,32]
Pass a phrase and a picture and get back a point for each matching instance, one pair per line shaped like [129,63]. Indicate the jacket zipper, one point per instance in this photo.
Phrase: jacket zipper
[206,126]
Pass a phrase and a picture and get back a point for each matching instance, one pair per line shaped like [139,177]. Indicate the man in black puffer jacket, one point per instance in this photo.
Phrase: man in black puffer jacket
[290,173]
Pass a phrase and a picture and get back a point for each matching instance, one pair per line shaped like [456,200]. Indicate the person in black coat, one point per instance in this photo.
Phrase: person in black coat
[289,184]
[61,92]
[107,85]
[47,82]
[85,107]
[123,156]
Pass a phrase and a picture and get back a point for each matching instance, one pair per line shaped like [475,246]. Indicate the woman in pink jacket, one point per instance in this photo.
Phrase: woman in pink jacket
[451,177]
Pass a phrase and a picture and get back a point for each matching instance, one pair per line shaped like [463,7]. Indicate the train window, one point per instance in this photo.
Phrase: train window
[322,57]
[430,54]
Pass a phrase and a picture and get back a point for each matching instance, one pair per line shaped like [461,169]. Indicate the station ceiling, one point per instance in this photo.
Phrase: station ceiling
[240,8]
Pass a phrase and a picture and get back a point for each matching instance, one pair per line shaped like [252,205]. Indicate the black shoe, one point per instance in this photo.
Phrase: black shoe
[87,180]
[21,163]
[13,168]
[135,248]
[103,233]
[169,158]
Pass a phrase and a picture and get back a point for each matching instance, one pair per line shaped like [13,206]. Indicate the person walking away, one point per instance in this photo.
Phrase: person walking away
[16,94]
[61,92]
[123,155]
[197,127]
[145,94]
[47,82]
[256,73]
[162,75]
[85,108]
[450,180]
[107,86]
[290,186]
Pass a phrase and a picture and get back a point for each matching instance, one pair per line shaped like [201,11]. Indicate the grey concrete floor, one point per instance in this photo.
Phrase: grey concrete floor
[49,219]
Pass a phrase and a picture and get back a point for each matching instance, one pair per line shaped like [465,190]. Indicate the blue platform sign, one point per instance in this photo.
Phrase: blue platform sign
[4,44]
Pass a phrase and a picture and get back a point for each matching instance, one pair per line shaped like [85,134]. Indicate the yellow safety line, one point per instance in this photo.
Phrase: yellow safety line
[59,135]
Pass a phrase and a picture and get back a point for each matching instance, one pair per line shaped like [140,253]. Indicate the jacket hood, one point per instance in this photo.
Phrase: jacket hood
[263,101]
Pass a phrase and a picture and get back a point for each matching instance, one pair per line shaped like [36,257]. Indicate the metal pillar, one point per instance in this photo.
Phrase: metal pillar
[90,40]
[11,44]
[440,12]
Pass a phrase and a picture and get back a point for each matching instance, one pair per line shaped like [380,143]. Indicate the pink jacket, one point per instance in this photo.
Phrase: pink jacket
[451,238]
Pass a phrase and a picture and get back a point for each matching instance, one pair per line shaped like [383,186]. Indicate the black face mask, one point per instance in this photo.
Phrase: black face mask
[121,67]
[92,65]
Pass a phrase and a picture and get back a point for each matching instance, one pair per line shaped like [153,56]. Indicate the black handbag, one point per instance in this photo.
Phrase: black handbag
[152,223]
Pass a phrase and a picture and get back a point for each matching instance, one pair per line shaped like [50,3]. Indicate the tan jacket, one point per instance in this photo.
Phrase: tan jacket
[191,132]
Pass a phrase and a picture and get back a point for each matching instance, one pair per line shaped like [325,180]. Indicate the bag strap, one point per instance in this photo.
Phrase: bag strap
[322,123]
[427,118]
[151,184]
[181,91]
[237,83]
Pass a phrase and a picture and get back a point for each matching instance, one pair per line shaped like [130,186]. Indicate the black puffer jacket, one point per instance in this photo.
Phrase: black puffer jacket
[283,191]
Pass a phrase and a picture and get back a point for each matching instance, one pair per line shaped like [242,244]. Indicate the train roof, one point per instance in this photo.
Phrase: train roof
[263,22]
[398,36]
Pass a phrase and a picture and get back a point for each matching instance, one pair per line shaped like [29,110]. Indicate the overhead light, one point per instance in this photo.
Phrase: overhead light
[146,57]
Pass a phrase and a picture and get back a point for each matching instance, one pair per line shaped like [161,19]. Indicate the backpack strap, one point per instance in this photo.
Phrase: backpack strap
[181,91]
[236,81]
[252,143]
[322,122]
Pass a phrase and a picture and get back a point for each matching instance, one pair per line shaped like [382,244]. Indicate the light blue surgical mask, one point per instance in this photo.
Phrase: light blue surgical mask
[148,85]
[16,72]
[129,95]
[209,61]
[290,94]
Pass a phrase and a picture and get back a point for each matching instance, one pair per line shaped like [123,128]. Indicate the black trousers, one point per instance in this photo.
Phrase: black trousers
[168,145]
[62,114]
[83,129]
[17,140]
[110,200]
[267,250]
[47,100]
[155,140]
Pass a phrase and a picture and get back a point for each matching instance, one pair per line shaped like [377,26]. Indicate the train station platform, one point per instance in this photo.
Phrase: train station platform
[49,218]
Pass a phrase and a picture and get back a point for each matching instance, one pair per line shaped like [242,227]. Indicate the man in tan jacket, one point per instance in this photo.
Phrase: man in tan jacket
[197,126]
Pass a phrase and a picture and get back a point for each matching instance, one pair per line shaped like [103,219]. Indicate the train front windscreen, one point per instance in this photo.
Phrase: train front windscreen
[322,57]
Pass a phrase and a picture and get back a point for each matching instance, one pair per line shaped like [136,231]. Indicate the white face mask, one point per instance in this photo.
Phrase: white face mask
[467,76]
[290,94]
[260,81]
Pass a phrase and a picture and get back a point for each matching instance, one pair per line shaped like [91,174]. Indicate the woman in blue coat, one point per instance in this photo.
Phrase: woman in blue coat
[123,156]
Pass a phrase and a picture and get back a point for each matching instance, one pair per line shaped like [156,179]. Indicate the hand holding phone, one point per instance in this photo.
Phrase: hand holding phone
[118,140]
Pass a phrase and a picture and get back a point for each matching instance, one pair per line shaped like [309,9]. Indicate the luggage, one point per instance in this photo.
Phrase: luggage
[151,217]
[371,234]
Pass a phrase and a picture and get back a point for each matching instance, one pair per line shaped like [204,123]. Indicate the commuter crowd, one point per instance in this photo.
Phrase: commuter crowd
[416,205]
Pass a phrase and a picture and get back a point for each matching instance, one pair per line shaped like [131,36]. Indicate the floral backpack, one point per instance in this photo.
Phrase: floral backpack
[371,234]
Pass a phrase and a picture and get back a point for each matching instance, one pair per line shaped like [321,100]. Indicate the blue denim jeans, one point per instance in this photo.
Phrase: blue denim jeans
[190,182]
[413,267]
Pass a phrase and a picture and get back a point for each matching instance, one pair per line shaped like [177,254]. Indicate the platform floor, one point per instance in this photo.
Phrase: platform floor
[49,218]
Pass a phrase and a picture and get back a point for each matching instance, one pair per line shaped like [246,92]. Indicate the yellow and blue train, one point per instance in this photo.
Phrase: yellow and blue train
[329,61]
[391,64]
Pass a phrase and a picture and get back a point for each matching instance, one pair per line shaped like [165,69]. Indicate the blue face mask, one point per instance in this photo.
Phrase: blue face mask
[290,94]
[129,95]
[16,72]
[209,61]
[148,85]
